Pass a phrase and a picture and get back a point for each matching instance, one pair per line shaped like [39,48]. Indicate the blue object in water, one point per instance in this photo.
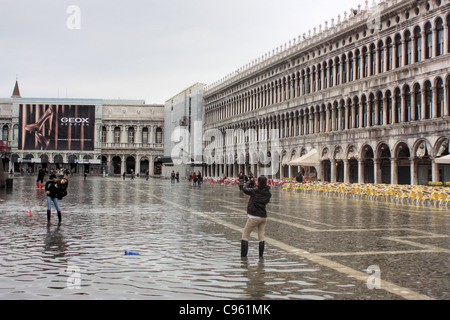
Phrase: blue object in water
[131,253]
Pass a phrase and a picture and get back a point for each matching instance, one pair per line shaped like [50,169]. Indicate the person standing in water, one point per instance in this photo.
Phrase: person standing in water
[56,190]
[40,178]
[257,215]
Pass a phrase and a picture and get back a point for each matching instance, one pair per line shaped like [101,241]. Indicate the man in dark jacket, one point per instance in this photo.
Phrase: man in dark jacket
[257,215]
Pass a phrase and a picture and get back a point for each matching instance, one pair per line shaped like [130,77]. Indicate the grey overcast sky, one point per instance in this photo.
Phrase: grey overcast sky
[143,49]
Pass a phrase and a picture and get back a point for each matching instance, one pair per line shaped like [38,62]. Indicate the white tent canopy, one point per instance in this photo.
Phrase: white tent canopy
[443,160]
[310,159]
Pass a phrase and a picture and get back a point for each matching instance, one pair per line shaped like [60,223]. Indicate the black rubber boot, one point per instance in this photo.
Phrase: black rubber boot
[244,248]
[59,216]
[49,214]
[261,248]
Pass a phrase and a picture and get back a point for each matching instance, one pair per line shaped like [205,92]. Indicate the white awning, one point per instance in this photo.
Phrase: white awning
[443,160]
[308,160]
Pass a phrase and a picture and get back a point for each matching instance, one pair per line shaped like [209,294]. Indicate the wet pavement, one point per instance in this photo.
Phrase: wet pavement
[188,238]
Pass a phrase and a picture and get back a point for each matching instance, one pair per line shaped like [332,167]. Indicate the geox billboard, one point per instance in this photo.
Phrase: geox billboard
[56,127]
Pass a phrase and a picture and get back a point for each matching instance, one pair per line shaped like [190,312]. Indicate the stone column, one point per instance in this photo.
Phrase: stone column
[123,135]
[394,171]
[346,171]
[122,164]
[333,170]
[109,135]
[413,168]
[434,170]
[377,171]
[138,164]
[361,171]
[138,137]
[152,165]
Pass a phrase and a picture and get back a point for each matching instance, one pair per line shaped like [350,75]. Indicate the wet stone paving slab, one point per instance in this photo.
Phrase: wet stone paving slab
[188,240]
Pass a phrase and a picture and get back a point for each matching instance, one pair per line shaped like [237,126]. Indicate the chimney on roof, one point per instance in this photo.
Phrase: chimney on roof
[16,92]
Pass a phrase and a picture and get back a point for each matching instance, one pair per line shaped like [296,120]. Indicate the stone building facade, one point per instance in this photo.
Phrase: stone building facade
[132,137]
[128,137]
[365,96]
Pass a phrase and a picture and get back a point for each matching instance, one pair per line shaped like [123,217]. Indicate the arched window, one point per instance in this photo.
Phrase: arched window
[308,81]
[325,75]
[351,67]
[145,136]
[398,51]
[103,134]
[131,135]
[307,119]
[365,114]
[408,48]
[417,102]
[303,82]
[357,111]
[350,115]
[116,135]
[439,37]
[319,77]
[388,107]
[381,56]
[313,76]
[440,98]
[338,71]
[342,115]
[365,63]
[373,55]
[159,135]
[372,110]
[380,109]
[331,67]
[417,44]
[390,54]
[428,100]
[398,107]
[408,101]
[5,133]
[358,64]
[428,41]
[344,69]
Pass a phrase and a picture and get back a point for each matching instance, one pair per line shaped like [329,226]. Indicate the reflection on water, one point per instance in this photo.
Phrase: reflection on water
[182,255]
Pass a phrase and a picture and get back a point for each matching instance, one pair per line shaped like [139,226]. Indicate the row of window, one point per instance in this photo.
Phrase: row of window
[412,46]
[131,134]
[410,103]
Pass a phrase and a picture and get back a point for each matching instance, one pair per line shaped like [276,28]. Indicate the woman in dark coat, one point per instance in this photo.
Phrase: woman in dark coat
[257,214]
[56,189]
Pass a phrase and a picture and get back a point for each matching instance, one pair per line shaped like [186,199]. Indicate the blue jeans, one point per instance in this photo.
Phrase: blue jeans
[49,203]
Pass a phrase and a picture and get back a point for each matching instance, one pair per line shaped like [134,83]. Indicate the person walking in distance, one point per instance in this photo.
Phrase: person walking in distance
[56,190]
[257,215]
[40,178]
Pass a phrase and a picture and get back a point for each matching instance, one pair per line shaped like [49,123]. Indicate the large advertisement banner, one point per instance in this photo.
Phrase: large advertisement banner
[56,127]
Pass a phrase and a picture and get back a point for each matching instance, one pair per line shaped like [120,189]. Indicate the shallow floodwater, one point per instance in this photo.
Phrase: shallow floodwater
[184,252]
